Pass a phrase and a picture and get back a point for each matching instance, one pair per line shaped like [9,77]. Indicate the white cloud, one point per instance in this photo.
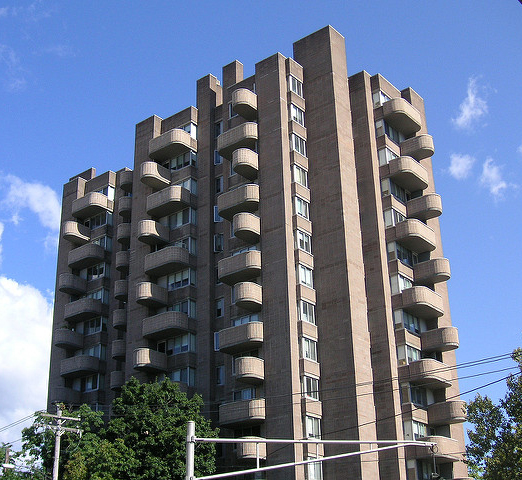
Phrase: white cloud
[519,149]
[460,166]
[472,108]
[13,73]
[491,178]
[25,339]
[38,198]
[1,233]
[61,51]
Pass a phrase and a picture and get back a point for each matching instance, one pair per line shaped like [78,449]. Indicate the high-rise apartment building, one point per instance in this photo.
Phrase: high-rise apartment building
[276,249]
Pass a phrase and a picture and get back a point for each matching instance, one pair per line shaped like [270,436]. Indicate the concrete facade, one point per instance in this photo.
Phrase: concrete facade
[277,250]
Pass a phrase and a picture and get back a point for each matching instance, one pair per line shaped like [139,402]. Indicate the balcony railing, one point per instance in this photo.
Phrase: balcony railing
[242,412]
[152,233]
[148,359]
[167,260]
[151,295]
[119,319]
[402,115]
[447,449]
[167,324]
[68,339]
[118,349]
[419,301]
[125,178]
[242,136]
[125,207]
[248,336]
[72,284]
[428,372]
[242,199]
[168,201]
[245,163]
[154,175]
[447,413]
[79,365]
[248,295]
[244,103]
[424,207]
[122,261]
[440,339]
[248,451]
[250,370]
[239,268]
[247,227]
[419,147]
[117,379]
[86,256]
[171,144]
[75,232]
[91,204]
[414,235]
[83,309]
[121,290]
[407,173]
[432,271]
[123,233]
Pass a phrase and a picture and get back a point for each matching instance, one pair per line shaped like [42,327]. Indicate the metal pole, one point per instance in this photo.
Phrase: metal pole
[191,434]
[57,437]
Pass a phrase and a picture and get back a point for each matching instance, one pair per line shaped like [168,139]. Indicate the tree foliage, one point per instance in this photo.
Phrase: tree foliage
[495,448]
[143,440]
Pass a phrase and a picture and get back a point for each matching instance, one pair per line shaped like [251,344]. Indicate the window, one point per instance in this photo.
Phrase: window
[89,383]
[94,325]
[218,242]
[220,307]
[217,217]
[181,161]
[188,243]
[303,241]
[420,430]
[399,283]
[390,188]
[300,175]
[108,191]
[392,217]
[306,311]
[407,354]
[295,85]
[302,207]
[407,320]
[305,275]
[245,394]
[179,279]
[105,242]
[310,387]
[379,98]
[314,471]
[218,128]
[216,341]
[382,128]
[100,294]
[98,351]
[184,375]
[231,112]
[183,217]
[418,396]
[220,375]
[406,256]
[180,344]
[250,248]
[96,271]
[218,159]
[296,114]
[190,184]
[309,349]
[298,144]
[386,155]
[191,128]
[219,184]
[253,317]
[99,220]
[312,427]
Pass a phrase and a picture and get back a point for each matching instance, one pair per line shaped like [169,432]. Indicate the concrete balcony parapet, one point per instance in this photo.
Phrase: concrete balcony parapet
[248,336]
[242,412]
[242,199]
[419,301]
[171,144]
[91,204]
[432,271]
[245,163]
[167,324]
[440,339]
[248,295]
[447,413]
[244,103]
[121,290]
[249,451]
[154,175]
[75,232]
[168,201]
[424,207]
[123,233]
[67,339]
[83,309]
[86,256]
[150,360]
[250,370]
[117,379]
[79,365]
[151,295]
[152,232]
[413,234]
[125,207]
[167,260]
[125,179]
[118,349]
[402,116]
[247,227]
[119,319]
[427,372]
[239,268]
[72,284]
[407,173]
[123,261]
[242,136]
[419,147]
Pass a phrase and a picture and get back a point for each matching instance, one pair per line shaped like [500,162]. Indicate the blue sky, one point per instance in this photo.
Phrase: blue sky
[75,78]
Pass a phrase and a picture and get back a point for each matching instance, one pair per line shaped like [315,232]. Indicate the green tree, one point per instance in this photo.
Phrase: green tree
[495,448]
[144,438]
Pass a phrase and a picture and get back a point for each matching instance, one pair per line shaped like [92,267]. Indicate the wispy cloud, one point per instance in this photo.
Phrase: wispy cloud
[14,78]
[461,165]
[62,51]
[1,248]
[493,180]
[472,108]
[33,12]
[38,198]
[519,149]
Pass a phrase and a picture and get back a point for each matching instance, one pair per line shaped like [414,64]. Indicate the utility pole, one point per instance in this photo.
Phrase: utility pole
[6,464]
[59,430]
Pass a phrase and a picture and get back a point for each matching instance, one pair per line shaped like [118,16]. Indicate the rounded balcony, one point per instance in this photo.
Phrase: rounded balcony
[119,319]
[241,338]
[425,207]
[432,271]
[166,260]
[76,233]
[446,450]
[407,173]
[239,268]
[419,147]
[242,136]
[413,234]
[125,208]
[151,295]
[118,349]
[248,295]
[64,395]
[72,284]
[67,339]
[244,103]
[79,365]
[419,301]
[117,380]
[123,233]
[121,290]
[427,372]
[149,360]
[85,256]
[402,115]
[242,199]
[242,412]
[152,233]
[167,324]
[154,175]
[247,227]
[440,339]
[91,204]
[83,309]
[124,180]
[122,261]
[245,163]
[250,370]
[251,451]
[168,201]
[447,413]
[171,144]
